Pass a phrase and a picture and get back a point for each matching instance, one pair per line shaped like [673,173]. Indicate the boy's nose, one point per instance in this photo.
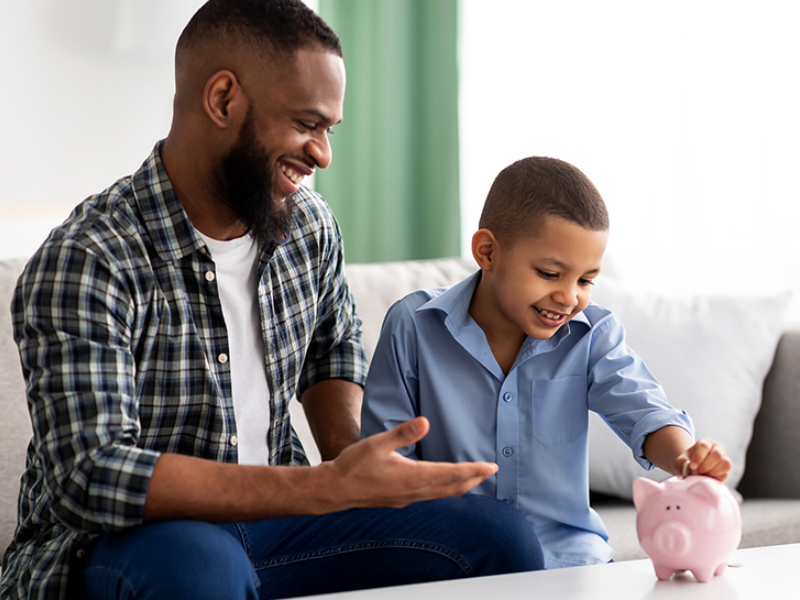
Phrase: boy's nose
[567,296]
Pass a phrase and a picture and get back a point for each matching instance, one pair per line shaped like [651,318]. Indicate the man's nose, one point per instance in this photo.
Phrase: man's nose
[319,149]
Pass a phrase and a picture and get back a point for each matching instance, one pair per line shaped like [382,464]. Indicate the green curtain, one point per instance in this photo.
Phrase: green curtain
[393,183]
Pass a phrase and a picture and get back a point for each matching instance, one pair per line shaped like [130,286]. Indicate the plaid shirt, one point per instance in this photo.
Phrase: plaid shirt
[124,349]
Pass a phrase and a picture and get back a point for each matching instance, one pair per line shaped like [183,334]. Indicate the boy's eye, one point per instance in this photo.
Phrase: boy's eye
[547,274]
[586,281]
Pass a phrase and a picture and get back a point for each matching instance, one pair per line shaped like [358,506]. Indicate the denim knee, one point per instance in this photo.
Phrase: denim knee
[505,541]
[173,559]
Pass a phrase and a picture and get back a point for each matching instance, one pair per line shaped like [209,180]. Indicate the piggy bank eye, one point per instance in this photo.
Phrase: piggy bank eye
[677,507]
[668,507]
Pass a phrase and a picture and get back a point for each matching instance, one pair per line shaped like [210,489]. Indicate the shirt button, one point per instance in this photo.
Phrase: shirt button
[234,441]
[223,358]
[203,250]
[210,276]
[80,553]
[507,397]
[508,451]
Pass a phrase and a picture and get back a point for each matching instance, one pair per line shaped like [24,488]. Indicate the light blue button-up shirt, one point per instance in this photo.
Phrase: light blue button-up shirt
[432,359]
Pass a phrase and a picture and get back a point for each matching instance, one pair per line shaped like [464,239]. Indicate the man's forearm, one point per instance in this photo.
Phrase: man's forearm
[333,410]
[368,473]
[185,487]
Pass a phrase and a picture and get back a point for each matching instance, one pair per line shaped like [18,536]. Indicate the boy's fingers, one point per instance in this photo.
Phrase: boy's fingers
[707,457]
[701,451]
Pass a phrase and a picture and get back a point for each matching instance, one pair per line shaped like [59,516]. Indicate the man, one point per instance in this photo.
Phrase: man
[165,326]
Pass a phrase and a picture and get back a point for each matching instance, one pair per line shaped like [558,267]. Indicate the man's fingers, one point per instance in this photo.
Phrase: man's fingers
[434,480]
[380,476]
[404,434]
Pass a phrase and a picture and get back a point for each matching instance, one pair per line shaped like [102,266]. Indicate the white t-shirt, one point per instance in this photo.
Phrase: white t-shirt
[237,280]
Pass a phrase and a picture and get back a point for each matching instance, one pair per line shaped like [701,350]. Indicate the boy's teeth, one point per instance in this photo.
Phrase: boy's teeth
[549,315]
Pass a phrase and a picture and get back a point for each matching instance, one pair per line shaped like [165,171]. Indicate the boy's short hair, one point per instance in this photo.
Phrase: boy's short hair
[279,27]
[531,189]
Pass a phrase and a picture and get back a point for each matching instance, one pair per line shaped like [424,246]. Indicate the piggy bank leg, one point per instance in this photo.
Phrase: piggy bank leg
[703,574]
[663,572]
[721,568]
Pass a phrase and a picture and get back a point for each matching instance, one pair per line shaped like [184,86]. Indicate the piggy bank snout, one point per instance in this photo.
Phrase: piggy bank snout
[672,539]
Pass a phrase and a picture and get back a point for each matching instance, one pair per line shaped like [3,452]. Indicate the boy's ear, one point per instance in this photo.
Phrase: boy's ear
[484,246]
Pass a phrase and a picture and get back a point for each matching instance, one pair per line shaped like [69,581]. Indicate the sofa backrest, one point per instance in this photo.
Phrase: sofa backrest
[376,286]
[15,424]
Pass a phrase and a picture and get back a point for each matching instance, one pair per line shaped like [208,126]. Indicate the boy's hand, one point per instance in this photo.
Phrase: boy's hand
[706,457]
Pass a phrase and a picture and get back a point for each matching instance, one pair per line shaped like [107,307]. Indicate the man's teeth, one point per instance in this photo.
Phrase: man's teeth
[295,177]
[549,315]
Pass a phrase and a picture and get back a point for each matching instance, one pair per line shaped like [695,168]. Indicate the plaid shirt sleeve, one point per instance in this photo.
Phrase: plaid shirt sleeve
[72,315]
[335,350]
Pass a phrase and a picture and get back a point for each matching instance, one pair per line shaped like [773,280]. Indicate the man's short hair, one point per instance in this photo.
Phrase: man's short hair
[531,189]
[279,27]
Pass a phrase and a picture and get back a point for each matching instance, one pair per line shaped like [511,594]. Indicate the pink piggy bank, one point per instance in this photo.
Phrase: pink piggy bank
[687,524]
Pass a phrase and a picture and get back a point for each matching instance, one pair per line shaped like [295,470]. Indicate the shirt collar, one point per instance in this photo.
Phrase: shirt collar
[170,230]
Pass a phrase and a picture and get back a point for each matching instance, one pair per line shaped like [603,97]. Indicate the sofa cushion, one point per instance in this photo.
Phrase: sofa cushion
[710,353]
[15,424]
[377,286]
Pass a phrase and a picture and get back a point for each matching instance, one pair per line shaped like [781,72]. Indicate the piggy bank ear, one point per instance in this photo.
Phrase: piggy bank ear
[642,489]
[707,489]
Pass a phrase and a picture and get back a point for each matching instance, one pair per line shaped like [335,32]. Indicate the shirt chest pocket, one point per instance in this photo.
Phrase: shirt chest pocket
[560,413]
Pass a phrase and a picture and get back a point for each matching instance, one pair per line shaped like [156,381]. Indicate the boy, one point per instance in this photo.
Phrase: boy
[506,364]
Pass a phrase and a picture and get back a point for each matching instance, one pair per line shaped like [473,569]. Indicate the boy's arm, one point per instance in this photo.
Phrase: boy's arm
[671,447]
[391,391]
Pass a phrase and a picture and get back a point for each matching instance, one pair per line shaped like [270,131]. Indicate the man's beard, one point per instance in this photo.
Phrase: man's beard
[246,185]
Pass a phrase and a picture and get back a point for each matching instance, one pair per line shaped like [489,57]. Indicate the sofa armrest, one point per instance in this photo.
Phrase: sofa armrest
[774,451]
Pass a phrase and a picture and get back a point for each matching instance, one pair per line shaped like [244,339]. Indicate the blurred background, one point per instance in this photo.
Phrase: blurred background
[684,114]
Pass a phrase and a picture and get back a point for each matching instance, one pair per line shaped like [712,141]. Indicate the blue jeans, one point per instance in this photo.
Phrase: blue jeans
[296,556]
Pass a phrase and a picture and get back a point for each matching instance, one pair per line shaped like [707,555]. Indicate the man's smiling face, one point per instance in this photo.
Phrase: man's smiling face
[282,140]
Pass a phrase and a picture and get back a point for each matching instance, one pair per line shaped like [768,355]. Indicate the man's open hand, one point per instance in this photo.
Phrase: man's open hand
[372,473]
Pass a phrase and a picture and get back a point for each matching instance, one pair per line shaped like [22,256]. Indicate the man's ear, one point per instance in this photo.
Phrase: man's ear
[224,100]
[484,246]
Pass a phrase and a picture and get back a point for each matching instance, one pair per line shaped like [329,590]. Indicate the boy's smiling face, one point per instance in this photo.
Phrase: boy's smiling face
[536,284]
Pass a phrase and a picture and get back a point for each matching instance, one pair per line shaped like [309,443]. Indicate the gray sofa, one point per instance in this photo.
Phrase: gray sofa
[770,486]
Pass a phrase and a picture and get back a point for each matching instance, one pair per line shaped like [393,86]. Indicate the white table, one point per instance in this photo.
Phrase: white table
[767,573]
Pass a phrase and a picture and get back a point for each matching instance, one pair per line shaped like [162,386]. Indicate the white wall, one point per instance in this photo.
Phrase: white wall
[684,114]
[88,88]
